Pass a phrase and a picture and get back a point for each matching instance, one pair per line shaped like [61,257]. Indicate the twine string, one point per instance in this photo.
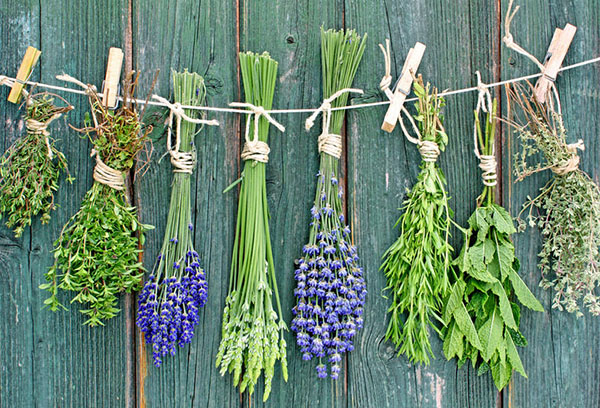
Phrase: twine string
[386,81]
[572,163]
[183,162]
[487,162]
[255,149]
[106,175]
[329,143]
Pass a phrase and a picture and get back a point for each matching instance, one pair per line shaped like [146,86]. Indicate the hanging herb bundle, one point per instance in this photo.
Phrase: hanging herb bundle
[481,322]
[567,207]
[96,255]
[31,167]
[252,331]
[417,264]
[330,287]
[168,305]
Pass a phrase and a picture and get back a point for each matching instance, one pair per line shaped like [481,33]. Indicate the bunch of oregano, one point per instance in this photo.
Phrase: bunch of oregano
[252,332]
[567,209]
[31,167]
[417,265]
[96,255]
[481,321]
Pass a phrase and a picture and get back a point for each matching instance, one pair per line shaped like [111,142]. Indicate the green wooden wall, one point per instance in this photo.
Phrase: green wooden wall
[51,360]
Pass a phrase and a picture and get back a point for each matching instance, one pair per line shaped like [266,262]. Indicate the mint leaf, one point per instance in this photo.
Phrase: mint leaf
[490,334]
[523,293]
[513,356]
[502,220]
[505,307]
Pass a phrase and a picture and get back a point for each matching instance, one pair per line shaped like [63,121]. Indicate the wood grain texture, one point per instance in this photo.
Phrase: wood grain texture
[562,357]
[199,36]
[460,39]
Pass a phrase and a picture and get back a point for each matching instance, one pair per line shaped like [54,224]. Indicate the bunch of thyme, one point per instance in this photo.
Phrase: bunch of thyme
[417,265]
[31,167]
[568,206]
[96,255]
[169,302]
[252,331]
[481,321]
[330,287]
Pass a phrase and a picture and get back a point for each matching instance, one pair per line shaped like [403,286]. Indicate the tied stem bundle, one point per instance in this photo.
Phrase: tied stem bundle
[176,289]
[31,167]
[330,287]
[481,321]
[252,331]
[417,265]
[567,208]
[96,255]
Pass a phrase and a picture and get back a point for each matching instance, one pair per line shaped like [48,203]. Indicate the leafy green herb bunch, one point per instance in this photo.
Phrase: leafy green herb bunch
[480,315]
[566,210]
[417,265]
[96,255]
[175,290]
[252,331]
[330,286]
[30,169]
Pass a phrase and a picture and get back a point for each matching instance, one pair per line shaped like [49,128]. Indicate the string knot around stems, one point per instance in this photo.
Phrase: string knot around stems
[572,163]
[329,143]
[183,162]
[487,162]
[488,165]
[41,128]
[106,175]
[429,150]
[255,149]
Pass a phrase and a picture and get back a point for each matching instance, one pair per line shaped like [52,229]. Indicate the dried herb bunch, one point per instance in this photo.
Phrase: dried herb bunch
[252,331]
[177,287]
[30,169]
[567,209]
[96,255]
[417,265]
[481,320]
[330,287]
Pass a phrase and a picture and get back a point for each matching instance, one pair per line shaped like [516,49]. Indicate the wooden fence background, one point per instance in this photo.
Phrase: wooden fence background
[52,360]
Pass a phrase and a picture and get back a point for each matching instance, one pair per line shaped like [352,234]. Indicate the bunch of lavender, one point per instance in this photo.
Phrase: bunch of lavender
[252,332]
[169,302]
[31,167]
[330,287]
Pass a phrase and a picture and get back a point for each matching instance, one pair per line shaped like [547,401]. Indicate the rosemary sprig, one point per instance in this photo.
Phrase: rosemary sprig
[96,255]
[568,207]
[330,286]
[417,265]
[481,321]
[252,331]
[31,167]
[177,287]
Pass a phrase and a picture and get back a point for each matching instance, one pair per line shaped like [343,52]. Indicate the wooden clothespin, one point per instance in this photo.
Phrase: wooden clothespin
[556,54]
[29,60]
[112,78]
[411,65]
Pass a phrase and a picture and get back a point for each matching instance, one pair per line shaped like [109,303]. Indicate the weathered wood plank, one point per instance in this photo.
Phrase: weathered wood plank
[562,357]
[200,37]
[53,359]
[460,39]
[290,32]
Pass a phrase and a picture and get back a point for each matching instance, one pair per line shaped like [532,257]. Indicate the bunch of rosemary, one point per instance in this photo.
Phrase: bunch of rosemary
[177,287]
[330,287]
[96,255]
[252,332]
[417,264]
[31,167]
[568,206]
[481,322]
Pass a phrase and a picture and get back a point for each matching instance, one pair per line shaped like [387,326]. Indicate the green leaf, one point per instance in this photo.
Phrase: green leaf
[523,293]
[464,322]
[513,356]
[478,222]
[454,300]
[490,334]
[502,220]
[506,256]
[475,254]
[505,307]
[453,344]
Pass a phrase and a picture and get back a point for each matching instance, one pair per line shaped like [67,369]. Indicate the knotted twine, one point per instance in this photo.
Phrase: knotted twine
[329,143]
[183,162]
[255,149]
[487,163]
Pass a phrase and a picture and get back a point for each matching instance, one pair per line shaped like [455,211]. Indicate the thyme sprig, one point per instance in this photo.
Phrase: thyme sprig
[252,331]
[481,321]
[566,210]
[96,255]
[417,265]
[30,169]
